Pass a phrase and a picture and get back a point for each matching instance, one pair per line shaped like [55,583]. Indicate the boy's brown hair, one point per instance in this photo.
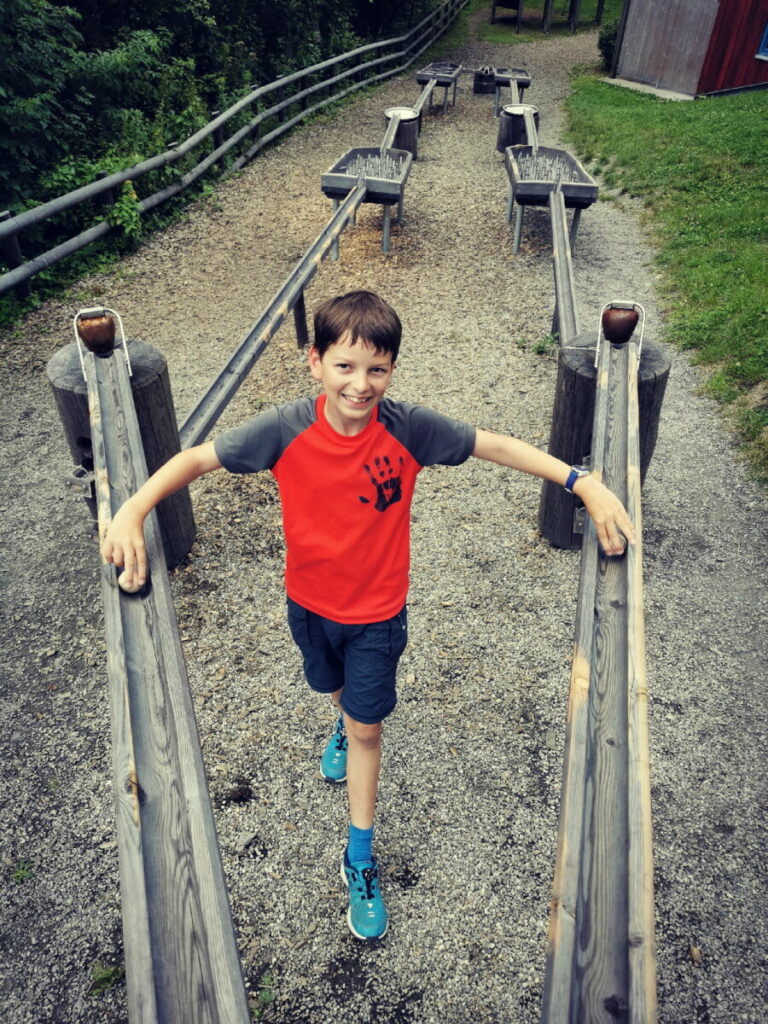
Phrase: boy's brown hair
[364,316]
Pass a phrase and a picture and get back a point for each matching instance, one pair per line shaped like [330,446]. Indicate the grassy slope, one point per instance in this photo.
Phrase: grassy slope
[701,169]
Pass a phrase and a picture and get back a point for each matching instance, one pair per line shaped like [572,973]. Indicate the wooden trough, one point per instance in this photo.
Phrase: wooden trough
[601,948]
[534,172]
[384,172]
[181,957]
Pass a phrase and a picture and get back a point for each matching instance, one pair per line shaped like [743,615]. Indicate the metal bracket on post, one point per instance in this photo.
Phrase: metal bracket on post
[84,479]
[580,510]
[579,519]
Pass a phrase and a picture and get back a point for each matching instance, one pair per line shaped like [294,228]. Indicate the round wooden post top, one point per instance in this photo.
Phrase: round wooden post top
[619,323]
[404,113]
[97,333]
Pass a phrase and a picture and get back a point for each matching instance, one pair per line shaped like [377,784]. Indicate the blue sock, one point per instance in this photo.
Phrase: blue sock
[360,845]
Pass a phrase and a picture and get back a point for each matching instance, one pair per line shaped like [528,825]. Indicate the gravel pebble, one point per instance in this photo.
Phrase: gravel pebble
[473,756]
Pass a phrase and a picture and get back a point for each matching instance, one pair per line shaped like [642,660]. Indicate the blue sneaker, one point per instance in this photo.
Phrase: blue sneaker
[333,763]
[367,916]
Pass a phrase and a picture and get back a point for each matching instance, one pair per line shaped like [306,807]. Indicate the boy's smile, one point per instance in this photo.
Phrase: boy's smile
[354,378]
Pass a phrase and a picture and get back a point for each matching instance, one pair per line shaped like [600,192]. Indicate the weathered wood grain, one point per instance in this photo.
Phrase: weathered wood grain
[642,939]
[182,963]
[600,964]
[570,436]
[153,401]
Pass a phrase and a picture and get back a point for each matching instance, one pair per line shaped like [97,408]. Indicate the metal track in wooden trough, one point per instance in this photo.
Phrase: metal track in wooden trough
[182,964]
[601,948]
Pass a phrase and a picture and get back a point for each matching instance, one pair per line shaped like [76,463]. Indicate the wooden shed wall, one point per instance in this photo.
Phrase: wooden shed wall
[665,42]
[730,62]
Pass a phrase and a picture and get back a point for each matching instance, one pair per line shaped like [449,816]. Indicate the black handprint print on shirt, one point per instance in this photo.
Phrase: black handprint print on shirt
[388,486]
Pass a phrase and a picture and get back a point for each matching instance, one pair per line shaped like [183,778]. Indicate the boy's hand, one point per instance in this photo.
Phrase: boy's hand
[124,545]
[611,520]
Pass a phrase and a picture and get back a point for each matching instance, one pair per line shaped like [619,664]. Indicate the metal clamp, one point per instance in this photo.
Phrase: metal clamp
[82,478]
[620,304]
[87,314]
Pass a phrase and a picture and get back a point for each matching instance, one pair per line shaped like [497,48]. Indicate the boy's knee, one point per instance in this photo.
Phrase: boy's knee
[363,733]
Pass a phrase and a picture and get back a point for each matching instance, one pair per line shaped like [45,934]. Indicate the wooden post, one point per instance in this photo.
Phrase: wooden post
[407,134]
[571,434]
[218,138]
[14,258]
[106,199]
[157,420]
[513,130]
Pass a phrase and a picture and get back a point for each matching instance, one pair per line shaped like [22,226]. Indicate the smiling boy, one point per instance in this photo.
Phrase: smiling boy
[346,464]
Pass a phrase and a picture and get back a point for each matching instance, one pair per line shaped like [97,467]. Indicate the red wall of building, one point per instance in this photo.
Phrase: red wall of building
[730,62]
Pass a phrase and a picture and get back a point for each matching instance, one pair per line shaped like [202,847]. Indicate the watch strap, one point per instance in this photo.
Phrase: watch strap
[576,473]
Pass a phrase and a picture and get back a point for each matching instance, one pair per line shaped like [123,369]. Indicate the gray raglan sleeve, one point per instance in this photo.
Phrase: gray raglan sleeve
[429,436]
[259,443]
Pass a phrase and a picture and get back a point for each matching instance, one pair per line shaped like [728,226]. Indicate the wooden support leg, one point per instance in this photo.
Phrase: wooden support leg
[385,235]
[300,320]
[335,246]
[574,227]
[518,228]
[510,204]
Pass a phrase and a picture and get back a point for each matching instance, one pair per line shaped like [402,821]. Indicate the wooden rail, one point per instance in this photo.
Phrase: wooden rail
[601,947]
[398,53]
[290,296]
[565,317]
[182,964]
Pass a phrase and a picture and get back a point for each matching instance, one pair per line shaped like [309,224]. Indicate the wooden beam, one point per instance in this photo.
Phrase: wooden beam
[600,953]
[182,964]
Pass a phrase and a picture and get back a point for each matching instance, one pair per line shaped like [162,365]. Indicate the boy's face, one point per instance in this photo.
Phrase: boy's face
[354,378]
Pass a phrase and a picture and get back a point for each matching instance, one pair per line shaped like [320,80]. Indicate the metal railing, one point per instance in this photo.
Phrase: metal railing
[373,63]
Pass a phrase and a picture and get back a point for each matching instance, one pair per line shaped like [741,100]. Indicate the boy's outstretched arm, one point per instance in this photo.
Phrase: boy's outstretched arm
[124,540]
[607,512]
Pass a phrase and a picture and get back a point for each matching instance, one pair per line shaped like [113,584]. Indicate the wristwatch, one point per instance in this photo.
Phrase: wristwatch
[576,473]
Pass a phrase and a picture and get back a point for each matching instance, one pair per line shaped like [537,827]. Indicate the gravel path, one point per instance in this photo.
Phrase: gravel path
[473,756]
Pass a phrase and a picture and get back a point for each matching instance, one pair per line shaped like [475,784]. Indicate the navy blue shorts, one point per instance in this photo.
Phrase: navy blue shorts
[360,659]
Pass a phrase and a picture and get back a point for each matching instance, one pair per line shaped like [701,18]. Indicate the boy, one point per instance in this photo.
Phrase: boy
[346,463]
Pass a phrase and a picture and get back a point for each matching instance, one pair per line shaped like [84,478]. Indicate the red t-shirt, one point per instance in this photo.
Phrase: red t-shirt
[346,500]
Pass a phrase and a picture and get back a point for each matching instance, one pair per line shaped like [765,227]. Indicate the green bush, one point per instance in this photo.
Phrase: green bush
[606,43]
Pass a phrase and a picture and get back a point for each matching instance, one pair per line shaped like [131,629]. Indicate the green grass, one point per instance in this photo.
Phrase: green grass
[700,168]
[504,31]
[104,977]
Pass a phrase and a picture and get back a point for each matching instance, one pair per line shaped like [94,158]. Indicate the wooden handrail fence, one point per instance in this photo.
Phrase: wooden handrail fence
[180,945]
[600,963]
[299,88]
[601,947]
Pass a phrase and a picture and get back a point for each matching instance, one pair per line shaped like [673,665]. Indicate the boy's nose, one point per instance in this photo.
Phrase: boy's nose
[360,382]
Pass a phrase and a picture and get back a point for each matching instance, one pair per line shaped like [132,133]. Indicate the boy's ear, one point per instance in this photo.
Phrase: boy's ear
[313,357]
